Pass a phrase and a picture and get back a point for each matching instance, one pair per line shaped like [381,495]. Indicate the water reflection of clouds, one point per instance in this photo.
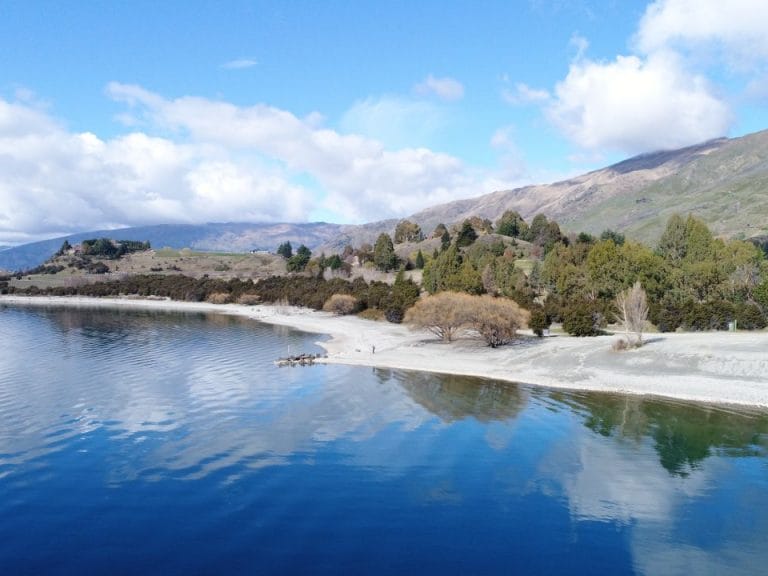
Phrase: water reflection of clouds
[620,480]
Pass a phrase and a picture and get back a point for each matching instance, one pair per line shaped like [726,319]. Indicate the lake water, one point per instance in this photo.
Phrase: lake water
[142,443]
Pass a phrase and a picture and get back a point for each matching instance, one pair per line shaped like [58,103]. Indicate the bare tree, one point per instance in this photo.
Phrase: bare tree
[497,320]
[443,314]
[448,313]
[632,306]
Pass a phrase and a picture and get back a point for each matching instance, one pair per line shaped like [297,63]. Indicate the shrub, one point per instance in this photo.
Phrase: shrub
[750,317]
[340,304]
[497,320]
[447,313]
[249,299]
[539,321]
[713,315]
[581,319]
[218,298]
[371,314]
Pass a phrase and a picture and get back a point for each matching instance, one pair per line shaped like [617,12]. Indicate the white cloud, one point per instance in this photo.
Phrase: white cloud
[737,26]
[443,88]
[637,105]
[240,64]
[56,182]
[663,94]
[200,160]
[524,94]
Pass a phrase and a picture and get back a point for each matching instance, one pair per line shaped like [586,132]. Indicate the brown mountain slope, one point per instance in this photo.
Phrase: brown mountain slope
[724,182]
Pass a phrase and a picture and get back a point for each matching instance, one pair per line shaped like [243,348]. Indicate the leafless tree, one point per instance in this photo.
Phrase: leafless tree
[632,311]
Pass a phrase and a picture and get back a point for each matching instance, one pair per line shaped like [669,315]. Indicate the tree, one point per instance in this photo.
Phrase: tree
[404,294]
[445,240]
[419,260]
[439,230]
[497,320]
[407,231]
[65,247]
[384,256]
[334,262]
[299,261]
[443,314]
[632,306]
[285,250]
[511,224]
[467,235]
[617,237]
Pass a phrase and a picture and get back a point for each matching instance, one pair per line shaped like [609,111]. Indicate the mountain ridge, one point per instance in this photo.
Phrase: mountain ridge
[722,181]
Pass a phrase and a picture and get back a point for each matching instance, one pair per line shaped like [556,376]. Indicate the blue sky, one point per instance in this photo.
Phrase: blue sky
[129,113]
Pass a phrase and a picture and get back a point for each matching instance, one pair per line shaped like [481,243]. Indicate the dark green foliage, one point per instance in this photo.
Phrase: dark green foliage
[710,315]
[750,317]
[511,224]
[285,250]
[404,294]
[445,240]
[617,237]
[467,235]
[299,261]
[384,256]
[539,321]
[106,248]
[97,268]
[668,314]
[419,260]
[581,319]
[334,262]
[65,247]
[452,271]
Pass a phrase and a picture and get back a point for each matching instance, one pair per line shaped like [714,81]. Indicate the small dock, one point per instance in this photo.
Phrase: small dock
[299,360]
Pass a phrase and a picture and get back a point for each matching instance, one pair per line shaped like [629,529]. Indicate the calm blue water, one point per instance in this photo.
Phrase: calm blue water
[137,443]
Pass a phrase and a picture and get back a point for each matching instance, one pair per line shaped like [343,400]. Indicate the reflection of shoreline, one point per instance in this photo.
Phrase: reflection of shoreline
[719,368]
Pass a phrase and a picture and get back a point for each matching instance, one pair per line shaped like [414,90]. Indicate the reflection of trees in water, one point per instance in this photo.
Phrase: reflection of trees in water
[453,398]
[683,434]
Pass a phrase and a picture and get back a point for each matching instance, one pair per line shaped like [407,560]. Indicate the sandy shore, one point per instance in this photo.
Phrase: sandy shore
[713,367]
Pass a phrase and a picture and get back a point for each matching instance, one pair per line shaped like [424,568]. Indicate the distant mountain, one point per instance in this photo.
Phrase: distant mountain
[228,237]
[724,182]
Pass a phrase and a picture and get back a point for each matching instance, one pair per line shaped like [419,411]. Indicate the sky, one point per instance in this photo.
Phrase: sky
[118,113]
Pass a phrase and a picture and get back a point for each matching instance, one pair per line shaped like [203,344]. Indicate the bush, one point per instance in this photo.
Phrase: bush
[371,314]
[539,321]
[447,313]
[581,319]
[497,319]
[750,317]
[219,298]
[249,299]
[341,304]
[710,315]
[394,315]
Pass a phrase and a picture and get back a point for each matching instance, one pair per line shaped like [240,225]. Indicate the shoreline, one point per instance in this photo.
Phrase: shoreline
[711,367]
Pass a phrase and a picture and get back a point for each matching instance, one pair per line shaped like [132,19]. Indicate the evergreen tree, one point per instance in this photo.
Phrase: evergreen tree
[511,224]
[285,250]
[384,256]
[419,260]
[299,261]
[467,235]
